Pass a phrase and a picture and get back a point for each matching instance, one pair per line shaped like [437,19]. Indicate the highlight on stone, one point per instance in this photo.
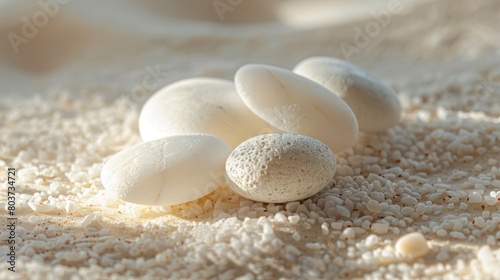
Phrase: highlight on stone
[167,171]
[293,104]
[375,104]
[199,105]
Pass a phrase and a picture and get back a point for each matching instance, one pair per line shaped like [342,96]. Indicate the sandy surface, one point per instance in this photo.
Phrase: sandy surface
[71,95]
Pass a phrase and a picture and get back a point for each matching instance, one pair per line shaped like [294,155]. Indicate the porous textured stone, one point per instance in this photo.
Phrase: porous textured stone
[280,168]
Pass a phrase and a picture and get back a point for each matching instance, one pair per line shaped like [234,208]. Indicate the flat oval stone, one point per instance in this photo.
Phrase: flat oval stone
[278,168]
[293,104]
[167,171]
[199,105]
[375,104]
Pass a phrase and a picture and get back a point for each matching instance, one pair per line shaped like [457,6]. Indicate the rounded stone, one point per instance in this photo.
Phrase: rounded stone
[199,105]
[167,171]
[412,245]
[293,104]
[375,104]
[279,168]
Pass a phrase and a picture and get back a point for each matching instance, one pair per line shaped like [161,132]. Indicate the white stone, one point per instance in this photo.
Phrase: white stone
[199,105]
[167,171]
[374,206]
[294,219]
[342,211]
[348,233]
[293,104]
[380,228]
[490,200]
[375,104]
[475,197]
[479,222]
[371,241]
[70,206]
[441,256]
[38,207]
[408,200]
[412,245]
[278,168]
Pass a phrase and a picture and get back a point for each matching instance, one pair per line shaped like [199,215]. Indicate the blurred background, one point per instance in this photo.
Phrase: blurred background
[114,48]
